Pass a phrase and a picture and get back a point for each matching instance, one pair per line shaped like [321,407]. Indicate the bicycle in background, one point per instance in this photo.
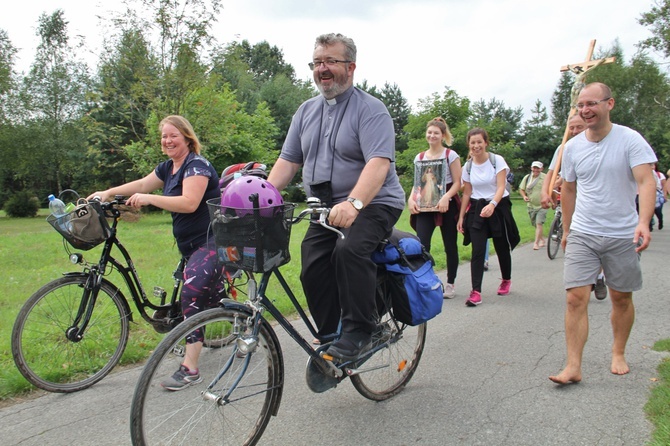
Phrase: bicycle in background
[555,230]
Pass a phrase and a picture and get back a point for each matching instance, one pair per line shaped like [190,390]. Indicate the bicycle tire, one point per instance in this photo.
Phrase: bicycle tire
[555,236]
[388,371]
[43,353]
[160,416]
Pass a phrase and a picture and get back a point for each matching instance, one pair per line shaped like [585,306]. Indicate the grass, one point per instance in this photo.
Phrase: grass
[32,254]
[658,406]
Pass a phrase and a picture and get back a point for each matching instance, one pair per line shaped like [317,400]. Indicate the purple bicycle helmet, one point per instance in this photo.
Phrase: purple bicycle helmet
[239,194]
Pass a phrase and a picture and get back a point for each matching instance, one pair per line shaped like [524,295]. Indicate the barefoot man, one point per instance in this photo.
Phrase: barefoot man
[610,163]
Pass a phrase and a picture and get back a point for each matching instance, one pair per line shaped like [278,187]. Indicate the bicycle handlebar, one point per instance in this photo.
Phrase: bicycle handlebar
[315,207]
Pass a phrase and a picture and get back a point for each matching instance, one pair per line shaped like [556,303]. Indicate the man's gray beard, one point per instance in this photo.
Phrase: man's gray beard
[333,92]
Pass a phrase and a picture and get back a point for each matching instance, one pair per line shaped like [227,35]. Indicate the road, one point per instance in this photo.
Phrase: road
[482,379]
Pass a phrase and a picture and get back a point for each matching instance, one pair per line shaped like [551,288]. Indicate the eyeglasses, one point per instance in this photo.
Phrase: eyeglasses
[590,104]
[328,63]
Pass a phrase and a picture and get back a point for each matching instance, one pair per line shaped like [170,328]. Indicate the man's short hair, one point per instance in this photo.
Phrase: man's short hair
[332,39]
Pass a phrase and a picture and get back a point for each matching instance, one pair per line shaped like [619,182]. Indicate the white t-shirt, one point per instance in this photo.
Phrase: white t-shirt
[606,193]
[482,177]
[452,157]
[552,164]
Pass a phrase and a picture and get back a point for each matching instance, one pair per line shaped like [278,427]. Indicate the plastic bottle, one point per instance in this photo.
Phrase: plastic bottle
[56,206]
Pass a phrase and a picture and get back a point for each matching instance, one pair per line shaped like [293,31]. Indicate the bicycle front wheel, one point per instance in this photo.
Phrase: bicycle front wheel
[45,355]
[232,404]
[389,370]
[554,239]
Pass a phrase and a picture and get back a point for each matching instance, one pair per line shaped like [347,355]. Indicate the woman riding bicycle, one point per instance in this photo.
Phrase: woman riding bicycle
[188,180]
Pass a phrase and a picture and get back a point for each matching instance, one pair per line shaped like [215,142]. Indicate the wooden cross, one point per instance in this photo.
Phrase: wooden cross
[580,69]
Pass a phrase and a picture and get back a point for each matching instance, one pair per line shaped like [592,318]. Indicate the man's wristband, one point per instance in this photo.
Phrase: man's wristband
[494,203]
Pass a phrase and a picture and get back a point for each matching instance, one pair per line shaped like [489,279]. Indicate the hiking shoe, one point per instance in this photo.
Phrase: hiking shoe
[600,289]
[486,265]
[474,299]
[350,346]
[504,287]
[449,291]
[181,379]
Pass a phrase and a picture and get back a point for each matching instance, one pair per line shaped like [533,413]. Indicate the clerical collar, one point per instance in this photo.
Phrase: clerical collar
[341,98]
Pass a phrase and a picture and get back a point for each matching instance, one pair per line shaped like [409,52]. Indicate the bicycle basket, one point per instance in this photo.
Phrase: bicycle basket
[252,239]
[85,227]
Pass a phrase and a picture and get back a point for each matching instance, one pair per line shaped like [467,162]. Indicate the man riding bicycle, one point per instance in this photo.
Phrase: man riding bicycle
[345,143]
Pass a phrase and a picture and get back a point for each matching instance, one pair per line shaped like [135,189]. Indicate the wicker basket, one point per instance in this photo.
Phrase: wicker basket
[84,228]
[252,239]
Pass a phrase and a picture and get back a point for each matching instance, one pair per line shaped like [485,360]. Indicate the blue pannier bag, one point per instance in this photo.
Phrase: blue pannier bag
[414,288]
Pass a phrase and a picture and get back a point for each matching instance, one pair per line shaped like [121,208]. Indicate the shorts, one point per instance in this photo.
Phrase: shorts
[586,253]
[537,216]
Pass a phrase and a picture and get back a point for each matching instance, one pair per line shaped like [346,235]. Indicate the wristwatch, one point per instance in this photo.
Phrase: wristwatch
[356,203]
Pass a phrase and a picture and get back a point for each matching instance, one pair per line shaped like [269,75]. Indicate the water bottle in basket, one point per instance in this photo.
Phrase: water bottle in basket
[56,206]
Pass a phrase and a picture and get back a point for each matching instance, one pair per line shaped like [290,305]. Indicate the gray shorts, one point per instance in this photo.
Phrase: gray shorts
[585,254]
[537,216]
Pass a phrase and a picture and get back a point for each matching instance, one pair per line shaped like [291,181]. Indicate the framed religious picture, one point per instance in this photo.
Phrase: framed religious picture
[429,182]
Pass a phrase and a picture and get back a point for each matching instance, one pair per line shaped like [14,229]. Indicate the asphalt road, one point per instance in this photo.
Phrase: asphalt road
[482,379]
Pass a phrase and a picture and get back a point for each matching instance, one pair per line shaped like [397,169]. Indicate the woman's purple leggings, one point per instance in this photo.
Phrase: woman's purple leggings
[202,285]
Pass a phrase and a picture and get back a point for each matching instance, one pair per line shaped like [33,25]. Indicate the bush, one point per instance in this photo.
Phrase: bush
[22,204]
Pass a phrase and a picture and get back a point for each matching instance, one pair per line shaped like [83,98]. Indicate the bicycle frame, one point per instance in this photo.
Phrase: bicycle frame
[97,272]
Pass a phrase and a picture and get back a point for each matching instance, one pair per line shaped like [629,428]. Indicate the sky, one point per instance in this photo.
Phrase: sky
[511,50]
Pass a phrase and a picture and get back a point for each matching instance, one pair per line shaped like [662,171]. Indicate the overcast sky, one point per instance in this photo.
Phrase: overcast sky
[508,49]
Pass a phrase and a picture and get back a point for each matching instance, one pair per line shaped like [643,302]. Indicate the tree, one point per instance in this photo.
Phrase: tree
[178,32]
[7,76]
[7,93]
[127,87]
[54,94]
[658,20]
[560,100]
[227,133]
[539,140]
[258,73]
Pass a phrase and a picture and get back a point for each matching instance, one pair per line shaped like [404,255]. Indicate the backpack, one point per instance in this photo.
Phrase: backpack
[414,289]
[492,160]
[236,170]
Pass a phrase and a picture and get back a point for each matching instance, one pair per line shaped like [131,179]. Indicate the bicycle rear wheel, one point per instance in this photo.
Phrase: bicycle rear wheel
[389,370]
[555,236]
[198,414]
[45,355]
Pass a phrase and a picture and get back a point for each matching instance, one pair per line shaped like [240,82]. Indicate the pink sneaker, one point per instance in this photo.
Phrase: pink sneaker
[474,299]
[504,287]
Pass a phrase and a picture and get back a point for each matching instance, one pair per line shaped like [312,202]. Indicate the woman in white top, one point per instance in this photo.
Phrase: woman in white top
[486,212]
[445,214]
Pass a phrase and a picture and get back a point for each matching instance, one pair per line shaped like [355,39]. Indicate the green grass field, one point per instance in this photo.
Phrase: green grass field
[32,254]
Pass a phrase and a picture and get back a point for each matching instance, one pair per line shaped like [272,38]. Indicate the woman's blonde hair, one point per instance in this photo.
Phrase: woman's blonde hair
[185,128]
[441,124]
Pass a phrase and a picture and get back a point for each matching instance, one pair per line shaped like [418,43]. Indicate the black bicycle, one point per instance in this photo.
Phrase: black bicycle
[555,233]
[243,380]
[73,331]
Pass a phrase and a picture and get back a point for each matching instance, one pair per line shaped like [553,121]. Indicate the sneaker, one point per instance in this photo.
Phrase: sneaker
[449,291]
[600,289]
[350,346]
[504,287]
[486,265]
[474,299]
[181,379]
